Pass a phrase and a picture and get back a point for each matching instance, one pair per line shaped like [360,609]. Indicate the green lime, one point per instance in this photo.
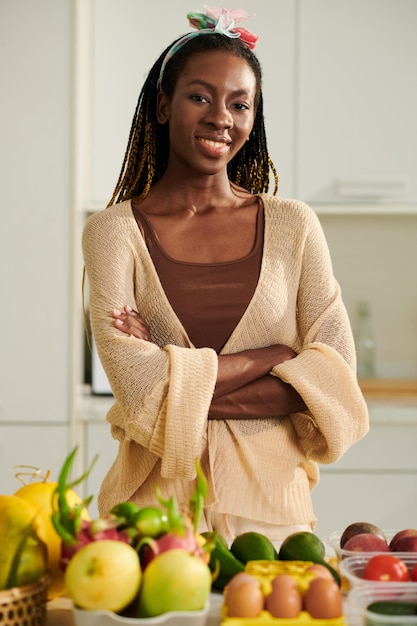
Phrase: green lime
[151,521]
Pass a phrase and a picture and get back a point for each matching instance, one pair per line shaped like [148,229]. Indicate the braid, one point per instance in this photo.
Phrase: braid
[250,168]
[146,155]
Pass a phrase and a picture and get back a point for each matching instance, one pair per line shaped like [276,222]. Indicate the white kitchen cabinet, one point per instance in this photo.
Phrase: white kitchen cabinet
[376,480]
[35,236]
[357,131]
[42,446]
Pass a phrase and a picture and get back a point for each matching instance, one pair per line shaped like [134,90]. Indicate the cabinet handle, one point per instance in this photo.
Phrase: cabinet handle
[377,189]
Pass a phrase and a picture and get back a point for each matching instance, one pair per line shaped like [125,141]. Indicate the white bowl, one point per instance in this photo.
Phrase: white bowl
[173,618]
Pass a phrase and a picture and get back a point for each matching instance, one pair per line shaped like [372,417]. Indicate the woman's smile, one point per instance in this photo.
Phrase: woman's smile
[214,147]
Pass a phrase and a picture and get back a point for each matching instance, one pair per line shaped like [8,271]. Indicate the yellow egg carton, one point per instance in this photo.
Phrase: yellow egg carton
[265,572]
[266,619]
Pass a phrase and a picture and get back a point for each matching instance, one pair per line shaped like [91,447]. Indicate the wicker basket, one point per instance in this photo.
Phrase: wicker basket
[24,606]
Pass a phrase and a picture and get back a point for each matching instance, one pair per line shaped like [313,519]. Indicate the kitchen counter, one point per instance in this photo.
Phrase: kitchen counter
[397,391]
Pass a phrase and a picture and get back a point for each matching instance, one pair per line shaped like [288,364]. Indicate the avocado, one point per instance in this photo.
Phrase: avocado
[305,546]
[223,562]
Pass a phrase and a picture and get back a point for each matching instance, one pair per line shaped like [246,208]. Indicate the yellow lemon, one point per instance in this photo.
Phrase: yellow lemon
[39,495]
[17,518]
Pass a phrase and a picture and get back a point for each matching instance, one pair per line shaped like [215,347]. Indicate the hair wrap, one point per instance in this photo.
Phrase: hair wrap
[215,20]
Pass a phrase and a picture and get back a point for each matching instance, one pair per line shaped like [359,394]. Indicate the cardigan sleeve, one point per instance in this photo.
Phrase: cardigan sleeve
[162,390]
[324,371]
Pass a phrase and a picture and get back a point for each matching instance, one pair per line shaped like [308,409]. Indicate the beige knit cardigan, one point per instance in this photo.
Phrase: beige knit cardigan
[262,469]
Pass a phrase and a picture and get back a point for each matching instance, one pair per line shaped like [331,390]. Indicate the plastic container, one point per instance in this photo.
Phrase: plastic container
[351,568]
[172,618]
[361,597]
[333,541]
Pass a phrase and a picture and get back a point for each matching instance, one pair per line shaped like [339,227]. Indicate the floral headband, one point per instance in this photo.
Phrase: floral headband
[215,20]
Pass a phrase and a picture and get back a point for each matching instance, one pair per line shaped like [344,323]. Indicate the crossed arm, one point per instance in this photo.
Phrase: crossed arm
[244,387]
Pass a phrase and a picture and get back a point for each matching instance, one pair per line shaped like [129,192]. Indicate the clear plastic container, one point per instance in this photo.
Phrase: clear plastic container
[333,541]
[351,568]
[359,598]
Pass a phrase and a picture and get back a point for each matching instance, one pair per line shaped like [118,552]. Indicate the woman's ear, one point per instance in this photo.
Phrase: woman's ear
[162,108]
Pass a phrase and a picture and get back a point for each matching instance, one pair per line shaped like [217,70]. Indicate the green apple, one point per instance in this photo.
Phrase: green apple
[175,580]
[104,574]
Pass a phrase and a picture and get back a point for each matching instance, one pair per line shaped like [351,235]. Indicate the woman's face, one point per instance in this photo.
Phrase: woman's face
[211,113]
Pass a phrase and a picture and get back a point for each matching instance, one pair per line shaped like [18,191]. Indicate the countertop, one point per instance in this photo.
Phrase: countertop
[399,391]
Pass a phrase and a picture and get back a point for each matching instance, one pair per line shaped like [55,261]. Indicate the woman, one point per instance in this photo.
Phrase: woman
[213,304]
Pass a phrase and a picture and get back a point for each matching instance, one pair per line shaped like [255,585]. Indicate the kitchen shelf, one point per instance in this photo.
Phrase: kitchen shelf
[392,390]
[359,209]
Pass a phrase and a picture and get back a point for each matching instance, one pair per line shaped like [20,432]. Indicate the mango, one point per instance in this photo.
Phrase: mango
[39,494]
[23,555]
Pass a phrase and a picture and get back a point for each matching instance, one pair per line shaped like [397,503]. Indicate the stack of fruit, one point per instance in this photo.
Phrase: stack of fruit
[226,562]
[138,562]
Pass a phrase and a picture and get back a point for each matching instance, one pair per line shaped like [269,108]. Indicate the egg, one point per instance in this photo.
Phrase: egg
[284,579]
[323,599]
[284,600]
[320,570]
[245,600]
[237,580]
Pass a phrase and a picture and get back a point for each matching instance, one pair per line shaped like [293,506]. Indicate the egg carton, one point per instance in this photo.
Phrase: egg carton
[265,572]
[266,619]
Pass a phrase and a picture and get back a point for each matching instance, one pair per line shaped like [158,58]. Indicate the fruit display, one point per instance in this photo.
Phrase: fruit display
[136,562]
[139,564]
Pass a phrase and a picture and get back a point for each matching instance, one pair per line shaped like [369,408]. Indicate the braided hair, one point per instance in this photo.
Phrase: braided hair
[146,156]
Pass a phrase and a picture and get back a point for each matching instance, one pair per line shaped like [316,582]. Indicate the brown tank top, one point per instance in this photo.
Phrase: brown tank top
[208,298]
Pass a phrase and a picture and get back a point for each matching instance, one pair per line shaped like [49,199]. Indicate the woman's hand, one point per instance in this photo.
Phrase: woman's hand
[268,396]
[131,323]
[241,368]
